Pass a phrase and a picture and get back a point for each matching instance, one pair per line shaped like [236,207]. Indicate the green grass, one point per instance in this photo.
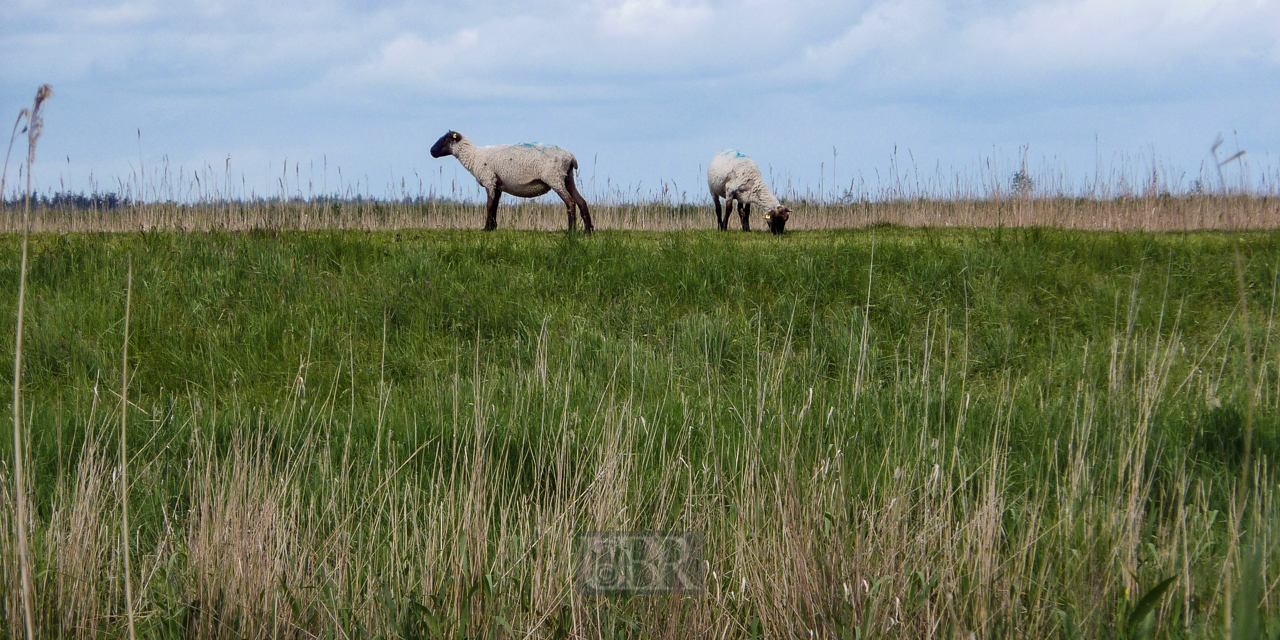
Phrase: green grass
[1035,427]
[230,318]
[253,304]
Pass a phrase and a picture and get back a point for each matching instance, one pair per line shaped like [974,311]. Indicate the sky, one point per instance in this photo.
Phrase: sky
[825,96]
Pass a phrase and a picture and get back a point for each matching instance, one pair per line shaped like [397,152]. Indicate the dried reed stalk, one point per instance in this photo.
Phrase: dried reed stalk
[35,125]
[124,458]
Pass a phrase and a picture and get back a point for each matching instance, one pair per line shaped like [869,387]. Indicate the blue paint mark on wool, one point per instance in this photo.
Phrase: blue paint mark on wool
[537,145]
[733,153]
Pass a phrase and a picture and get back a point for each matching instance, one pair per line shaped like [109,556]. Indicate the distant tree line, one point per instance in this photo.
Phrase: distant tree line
[68,200]
[109,201]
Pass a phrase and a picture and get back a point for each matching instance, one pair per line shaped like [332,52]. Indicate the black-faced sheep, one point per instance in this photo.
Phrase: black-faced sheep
[524,170]
[733,176]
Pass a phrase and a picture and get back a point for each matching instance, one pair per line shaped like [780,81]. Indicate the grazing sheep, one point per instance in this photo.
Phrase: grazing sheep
[524,170]
[733,176]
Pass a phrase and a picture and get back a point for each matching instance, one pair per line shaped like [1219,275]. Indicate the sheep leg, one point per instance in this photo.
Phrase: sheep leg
[744,212]
[573,216]
[572,188]
[569,205]
[491,213]
[720,222]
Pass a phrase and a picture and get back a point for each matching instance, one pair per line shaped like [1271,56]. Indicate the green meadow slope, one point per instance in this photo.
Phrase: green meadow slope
[888,430]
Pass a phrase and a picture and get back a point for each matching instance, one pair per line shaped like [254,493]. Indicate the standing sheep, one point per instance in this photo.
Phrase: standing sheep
[733,176]
[524,170]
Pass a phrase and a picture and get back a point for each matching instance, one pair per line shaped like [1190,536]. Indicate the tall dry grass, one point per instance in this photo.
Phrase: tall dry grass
[809,531]
[122,471]
[1158,214]
[35,126]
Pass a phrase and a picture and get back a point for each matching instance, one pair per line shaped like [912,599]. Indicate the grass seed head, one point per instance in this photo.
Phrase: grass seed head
[35,121]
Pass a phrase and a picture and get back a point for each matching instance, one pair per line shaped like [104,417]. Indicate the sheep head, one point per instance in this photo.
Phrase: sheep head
[777,219]
[444,146]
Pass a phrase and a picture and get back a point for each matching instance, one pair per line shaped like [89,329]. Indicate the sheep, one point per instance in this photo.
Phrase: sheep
[734,176]
[524,170]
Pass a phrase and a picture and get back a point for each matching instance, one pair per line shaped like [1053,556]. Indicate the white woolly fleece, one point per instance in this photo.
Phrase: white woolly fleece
[525,170]
[734,176]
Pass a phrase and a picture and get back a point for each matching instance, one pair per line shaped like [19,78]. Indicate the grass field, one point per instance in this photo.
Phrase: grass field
[885,431]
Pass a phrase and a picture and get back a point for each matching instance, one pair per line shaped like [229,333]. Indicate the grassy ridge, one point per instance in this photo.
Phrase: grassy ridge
[254,303]
[1025,375]
[231,316]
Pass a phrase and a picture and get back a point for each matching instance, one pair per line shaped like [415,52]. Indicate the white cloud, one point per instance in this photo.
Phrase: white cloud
[411,60]
[656,19]
[122,15]
[885,49]
[512,58]
[1137,35]
[892,28]
[925,49]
